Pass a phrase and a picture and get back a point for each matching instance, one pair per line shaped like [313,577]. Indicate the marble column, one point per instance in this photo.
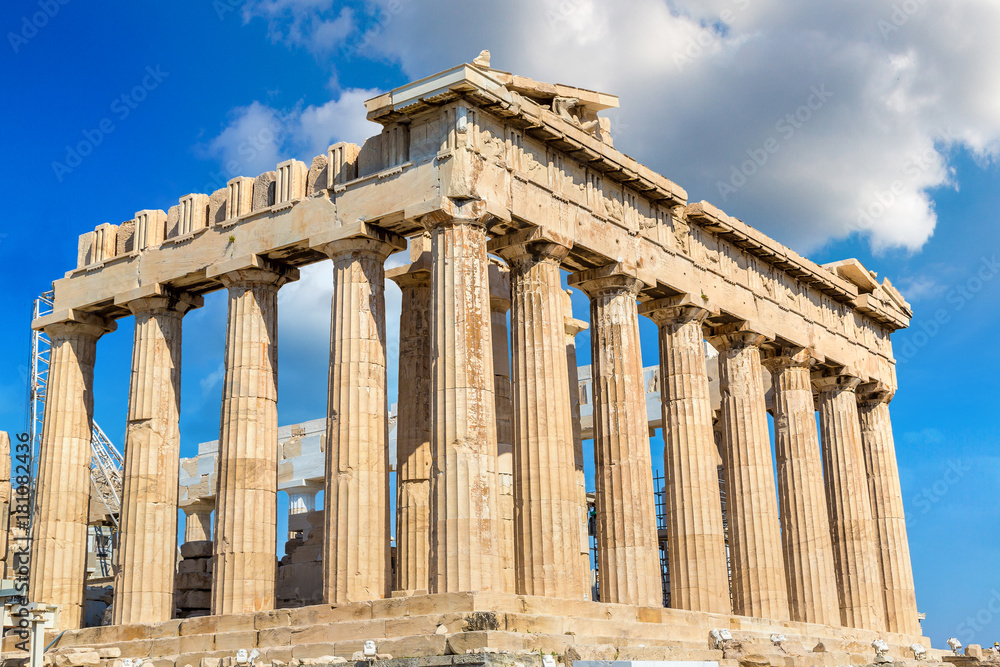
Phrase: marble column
[198,522]
[62,502]
[696,541]
[805,523]
[413,426]
[546,495]
[356,538]
[573,327]
[147,551]
[499,305]
[465,525]
[246,511]
[855,553]
[627,549]
[887,511]
[758,573]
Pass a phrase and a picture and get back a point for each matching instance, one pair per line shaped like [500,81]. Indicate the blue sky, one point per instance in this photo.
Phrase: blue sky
[881,125]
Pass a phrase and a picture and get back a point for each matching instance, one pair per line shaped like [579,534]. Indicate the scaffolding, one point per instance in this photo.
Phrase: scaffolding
[106,460]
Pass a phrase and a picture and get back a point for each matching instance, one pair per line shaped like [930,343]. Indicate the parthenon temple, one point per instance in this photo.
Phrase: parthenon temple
[504,191]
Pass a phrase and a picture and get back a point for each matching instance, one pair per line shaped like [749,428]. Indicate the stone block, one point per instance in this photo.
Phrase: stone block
[263,190]
[306,651]
[316,180]
[274,637]
[235,623]
[217,206]
[194,600]
[974,651]
[126,238]
[414,646]
[109,652]
[322,613]
[137,648]
[600,652]
[276,654]
[197,549]
[339,631]
[202,643]
[193,581]
[273,618]
[200,625]
[166,646]
[233,641]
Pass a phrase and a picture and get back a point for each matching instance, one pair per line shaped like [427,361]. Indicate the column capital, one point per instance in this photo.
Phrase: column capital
[777,357]
[197,506]
[829,379]
[876,391]
[158,297]
[252,269]
[738,335]
[611,279]
[681,308]
[74,323]
[416,274]
[371,240]
[532,245]
[457,212]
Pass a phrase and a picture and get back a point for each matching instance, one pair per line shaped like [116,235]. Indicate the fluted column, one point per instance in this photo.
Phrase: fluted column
[545,490]
[62,501]
[144,586]
[805,523]
[356,541]
[758,573]
[413,427]
[499,305]
[465,525]
[245,522]
[696,542]
[573,327]
[887,512]
[855,554]
[627,549]
[198,522]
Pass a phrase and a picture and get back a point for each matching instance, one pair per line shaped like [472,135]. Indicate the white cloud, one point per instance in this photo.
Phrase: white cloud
[258,136]
[314,24]
[250,143]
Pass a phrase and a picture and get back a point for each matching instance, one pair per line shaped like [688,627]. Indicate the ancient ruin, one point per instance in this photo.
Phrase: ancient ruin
[495,184]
